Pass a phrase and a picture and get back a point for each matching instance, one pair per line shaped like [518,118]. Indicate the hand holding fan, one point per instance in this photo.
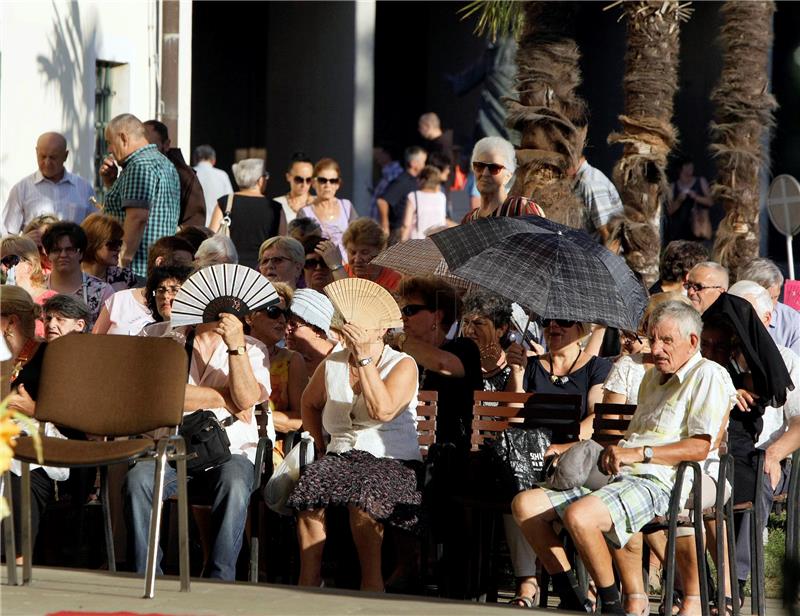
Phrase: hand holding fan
[364,303]
[221,288]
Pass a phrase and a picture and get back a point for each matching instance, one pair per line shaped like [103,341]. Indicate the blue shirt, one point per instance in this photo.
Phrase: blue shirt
[785,327]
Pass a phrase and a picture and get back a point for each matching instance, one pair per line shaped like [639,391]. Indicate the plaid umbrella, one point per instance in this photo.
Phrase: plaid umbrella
[419,258]
[553,270]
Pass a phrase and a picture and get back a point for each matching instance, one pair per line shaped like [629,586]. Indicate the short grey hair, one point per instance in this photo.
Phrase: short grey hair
[488,305]
[685,317]
[126,123]
[289,245]
[246,172]
[720,270]
[754,293]
[204,152]
[215,250]
[497,145]
[761,270]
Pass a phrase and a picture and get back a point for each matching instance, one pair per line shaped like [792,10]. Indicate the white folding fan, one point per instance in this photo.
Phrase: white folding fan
[221,288]
[364,303]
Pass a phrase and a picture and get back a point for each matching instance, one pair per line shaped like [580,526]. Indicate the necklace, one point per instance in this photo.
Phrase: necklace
[25,354]
[562,380]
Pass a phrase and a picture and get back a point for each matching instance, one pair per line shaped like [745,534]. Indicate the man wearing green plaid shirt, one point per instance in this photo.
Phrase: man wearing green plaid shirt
[145,197]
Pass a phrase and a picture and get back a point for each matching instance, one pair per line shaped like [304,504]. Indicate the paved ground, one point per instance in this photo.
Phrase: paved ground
[71,590]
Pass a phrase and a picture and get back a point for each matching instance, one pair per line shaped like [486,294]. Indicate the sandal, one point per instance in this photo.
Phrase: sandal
[683,602]
[677,601]
[637,595]
[525,602]
[728,607]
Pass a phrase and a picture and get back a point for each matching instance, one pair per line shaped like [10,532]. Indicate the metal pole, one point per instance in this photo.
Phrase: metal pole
[790,256]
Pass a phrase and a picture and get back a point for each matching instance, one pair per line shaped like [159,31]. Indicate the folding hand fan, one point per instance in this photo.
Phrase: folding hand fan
[221,288]
[364,303]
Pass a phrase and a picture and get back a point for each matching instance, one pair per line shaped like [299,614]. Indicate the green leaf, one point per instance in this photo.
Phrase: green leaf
[495,17]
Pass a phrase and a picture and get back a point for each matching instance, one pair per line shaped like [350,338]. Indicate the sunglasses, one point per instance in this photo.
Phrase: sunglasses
[562,323]
[313,264]
[114,244]
[409,310]
[275,312]
[300,180]
[323,181]
[697,287]
[10,261]
[493,168]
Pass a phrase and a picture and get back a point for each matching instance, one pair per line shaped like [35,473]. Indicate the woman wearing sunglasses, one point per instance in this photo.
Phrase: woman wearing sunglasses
[299,177]
[493,163]
[287,370]
[332,214]
[101,258]
[567,368]
[20,263]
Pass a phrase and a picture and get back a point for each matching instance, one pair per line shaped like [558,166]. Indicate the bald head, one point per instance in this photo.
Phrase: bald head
[429,125]
[124,135]
[51,154]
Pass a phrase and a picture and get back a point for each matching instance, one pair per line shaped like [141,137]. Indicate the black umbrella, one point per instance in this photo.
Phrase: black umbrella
[555,271]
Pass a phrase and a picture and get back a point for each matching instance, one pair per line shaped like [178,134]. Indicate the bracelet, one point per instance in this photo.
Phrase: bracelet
[365,362]
[337,268]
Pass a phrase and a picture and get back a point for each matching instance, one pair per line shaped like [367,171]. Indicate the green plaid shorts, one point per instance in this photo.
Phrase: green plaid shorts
[632,501]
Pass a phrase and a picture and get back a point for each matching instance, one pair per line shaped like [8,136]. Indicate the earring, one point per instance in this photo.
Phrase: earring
[8,334]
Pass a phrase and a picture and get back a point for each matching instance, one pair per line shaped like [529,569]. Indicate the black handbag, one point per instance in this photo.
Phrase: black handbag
[518,458]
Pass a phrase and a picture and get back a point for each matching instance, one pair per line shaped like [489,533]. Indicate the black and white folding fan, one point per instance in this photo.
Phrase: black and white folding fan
[221,288]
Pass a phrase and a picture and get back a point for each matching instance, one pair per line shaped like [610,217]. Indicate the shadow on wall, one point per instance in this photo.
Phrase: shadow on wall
[67,71]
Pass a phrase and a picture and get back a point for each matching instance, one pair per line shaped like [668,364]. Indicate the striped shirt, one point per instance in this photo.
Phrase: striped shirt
[148,180]
[599,195]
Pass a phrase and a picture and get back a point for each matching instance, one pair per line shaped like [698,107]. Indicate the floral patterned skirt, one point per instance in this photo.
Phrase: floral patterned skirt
[385,488]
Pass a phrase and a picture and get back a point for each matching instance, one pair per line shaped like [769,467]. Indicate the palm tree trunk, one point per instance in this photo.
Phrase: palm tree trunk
[742,119]
[547,111]
[650,83]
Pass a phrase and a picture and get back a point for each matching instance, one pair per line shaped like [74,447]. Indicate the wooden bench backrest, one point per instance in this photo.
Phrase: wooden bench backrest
[427,406]
[611,422]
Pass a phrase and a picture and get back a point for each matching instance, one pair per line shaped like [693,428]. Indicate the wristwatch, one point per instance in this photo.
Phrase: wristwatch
[337,268]
[365,362]
[647,453]
[240,350]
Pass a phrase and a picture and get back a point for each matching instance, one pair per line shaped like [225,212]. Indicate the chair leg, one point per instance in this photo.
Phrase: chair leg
[8,532]
[155,520]
[25,514]
[674,507]
[731,534]
[109,534]
[758,558]
[183,514]
[699,543]
[753,562]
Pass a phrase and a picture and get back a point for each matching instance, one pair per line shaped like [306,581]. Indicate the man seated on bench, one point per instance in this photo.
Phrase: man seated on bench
[682,402]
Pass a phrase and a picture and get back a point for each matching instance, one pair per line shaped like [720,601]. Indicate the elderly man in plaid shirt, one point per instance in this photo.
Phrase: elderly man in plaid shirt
[683,402]
[146,196]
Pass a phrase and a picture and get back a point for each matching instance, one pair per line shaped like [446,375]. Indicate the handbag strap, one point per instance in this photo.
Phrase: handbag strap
[229,205]
[189,346]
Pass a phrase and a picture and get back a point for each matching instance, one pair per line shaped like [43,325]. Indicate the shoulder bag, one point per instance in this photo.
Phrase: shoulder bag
[225,227]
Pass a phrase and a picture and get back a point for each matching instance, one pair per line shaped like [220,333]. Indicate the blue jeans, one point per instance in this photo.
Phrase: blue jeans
[227,487]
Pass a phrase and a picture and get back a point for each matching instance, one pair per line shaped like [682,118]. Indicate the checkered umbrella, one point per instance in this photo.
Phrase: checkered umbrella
[555,271]
[419,258]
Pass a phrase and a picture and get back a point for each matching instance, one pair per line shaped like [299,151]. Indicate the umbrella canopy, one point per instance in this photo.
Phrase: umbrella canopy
[419,258]
[555,271]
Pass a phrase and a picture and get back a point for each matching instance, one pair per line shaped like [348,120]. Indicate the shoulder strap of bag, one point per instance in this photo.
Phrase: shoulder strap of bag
[189,346]
[229,205]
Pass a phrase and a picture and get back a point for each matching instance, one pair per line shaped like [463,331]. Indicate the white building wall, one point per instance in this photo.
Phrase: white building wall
[47,75]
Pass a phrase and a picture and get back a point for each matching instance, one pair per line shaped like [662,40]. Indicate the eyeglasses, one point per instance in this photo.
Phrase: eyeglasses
[493,168]
[62,251]
[114,244]
[323,181]
[10,261]
[275,312]
[313,264]
[163,291]
[697,287]
[274,260]
[409,310]
[562,323]
[301,180]
[631,336]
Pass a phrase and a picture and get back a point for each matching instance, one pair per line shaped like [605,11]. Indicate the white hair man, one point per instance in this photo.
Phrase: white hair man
[215,182]
[683,401]
[49,190]
[780,435]
[784,327]
[391,204]
[145,196]
[705,282]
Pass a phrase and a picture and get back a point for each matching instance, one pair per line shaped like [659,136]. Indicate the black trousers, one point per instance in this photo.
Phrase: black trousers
[43,491]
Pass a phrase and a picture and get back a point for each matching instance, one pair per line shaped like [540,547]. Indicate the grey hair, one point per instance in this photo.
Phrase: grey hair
[720,270]
[216,249]
[754,293]
[685,317]
[488,305]
[246,172]
[499,146]
[204,152]
[761,270]
[289,245]
[126,123]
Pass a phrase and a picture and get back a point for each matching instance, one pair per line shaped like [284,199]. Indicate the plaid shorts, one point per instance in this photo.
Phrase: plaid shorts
[632,501]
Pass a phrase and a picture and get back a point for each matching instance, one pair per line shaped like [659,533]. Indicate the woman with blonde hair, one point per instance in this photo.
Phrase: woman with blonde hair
[22,254]
[34,230]
[101,257]
[281,259]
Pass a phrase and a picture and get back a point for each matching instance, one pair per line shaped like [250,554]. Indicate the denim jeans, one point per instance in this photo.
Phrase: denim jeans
[227,488]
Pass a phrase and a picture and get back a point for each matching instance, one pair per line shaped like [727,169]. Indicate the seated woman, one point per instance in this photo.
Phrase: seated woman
[566,369]
[287,370]
[365,397]
[64,314]
[21,254]
[450,367]
[281,259]
[163,285]
[20,382]
[316,273]
[101,258]
[308,327]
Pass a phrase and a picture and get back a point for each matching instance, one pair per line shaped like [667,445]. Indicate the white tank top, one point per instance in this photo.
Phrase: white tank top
[346,419]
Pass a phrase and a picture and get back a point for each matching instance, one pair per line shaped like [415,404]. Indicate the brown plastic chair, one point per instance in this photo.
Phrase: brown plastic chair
[113,386]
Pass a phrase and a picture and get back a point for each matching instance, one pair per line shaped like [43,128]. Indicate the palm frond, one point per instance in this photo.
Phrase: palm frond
[495,17]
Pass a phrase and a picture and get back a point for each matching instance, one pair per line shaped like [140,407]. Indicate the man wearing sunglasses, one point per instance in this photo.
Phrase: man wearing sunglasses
[50,190]
[391,204]
[705,282]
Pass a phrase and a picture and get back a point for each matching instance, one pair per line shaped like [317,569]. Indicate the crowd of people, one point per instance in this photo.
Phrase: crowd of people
[711,368]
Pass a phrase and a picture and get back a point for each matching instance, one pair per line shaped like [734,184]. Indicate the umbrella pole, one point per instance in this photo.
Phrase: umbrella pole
[525,329]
